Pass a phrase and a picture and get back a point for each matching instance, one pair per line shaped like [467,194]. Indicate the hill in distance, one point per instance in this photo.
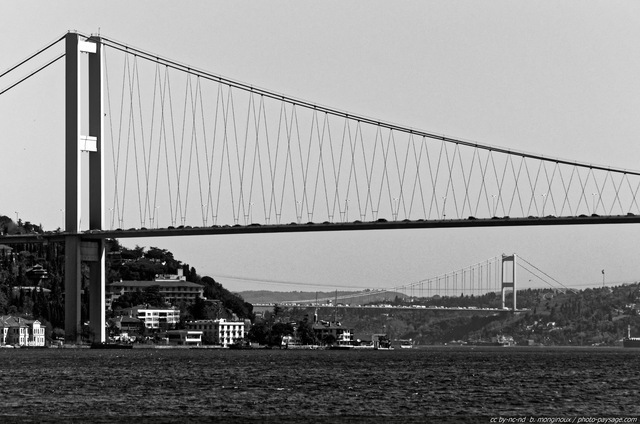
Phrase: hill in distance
[265,296]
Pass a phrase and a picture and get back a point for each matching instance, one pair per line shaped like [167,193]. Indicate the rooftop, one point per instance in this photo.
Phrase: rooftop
[10,321]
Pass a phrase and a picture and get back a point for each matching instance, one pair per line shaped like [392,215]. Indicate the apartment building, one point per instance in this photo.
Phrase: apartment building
[174,291]
[220,331]
[154,318]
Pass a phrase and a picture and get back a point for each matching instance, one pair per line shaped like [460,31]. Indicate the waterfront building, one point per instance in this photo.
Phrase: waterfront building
[220,331]
[185,337]
[207,326]
[342,335]
[289,342]
[126,324]
[21,332]
[229,332]
[504,340]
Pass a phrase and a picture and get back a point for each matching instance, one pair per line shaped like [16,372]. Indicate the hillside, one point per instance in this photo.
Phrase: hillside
[28,265]
[588,317]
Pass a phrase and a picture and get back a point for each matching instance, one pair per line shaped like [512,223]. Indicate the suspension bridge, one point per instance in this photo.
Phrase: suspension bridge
[155,147]
[494,275]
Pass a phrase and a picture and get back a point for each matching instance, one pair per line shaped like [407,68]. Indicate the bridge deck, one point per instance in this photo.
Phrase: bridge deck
[326,226]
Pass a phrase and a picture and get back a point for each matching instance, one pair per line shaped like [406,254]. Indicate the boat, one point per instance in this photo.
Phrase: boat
[104,345]
[341,347]
[406,344]
[363,346]
[630,341]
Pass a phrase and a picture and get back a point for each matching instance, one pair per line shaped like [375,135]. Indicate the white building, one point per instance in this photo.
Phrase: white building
[221,331]
[155,318]
[230,332]
[21,332]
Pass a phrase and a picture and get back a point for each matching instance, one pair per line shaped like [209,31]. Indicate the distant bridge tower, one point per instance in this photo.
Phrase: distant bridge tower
[76,249]
[509,278]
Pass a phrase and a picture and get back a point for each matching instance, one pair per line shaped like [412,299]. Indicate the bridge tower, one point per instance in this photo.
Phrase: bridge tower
[78,143]
[508,278]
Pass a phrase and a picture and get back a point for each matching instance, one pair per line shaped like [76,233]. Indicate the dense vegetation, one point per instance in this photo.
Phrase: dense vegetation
[17,274]
[122,263]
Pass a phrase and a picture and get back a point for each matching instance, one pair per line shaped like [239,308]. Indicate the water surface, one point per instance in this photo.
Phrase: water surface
[182,385]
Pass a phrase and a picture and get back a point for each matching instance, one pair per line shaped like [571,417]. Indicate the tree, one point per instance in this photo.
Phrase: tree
[328,339]
[158,254]
[141,269]
[4,301]
[259,333]
[208,339]
[231,301]
[132,254]
[305,332]
[113,329]
[200,309]
[278,331]
[190,274]
[57,334]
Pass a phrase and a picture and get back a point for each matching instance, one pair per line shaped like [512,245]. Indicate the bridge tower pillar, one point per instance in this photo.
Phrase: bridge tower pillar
[76,249]
[508,278]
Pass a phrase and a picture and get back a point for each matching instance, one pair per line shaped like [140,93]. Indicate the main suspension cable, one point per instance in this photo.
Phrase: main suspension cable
[543,273]
[32,73]
[32,56]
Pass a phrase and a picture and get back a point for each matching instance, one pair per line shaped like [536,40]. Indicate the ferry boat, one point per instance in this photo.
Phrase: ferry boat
[630,341]
[406,344]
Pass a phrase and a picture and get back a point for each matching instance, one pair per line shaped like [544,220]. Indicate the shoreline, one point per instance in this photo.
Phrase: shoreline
[316,348]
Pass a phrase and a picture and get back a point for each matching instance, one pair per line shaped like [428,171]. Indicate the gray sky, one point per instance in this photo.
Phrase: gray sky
[555,78]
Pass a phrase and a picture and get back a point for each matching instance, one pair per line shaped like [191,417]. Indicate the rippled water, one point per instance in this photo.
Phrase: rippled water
[420,385]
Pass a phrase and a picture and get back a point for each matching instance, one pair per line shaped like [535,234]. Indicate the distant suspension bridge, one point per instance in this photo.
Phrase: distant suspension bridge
[494,275]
